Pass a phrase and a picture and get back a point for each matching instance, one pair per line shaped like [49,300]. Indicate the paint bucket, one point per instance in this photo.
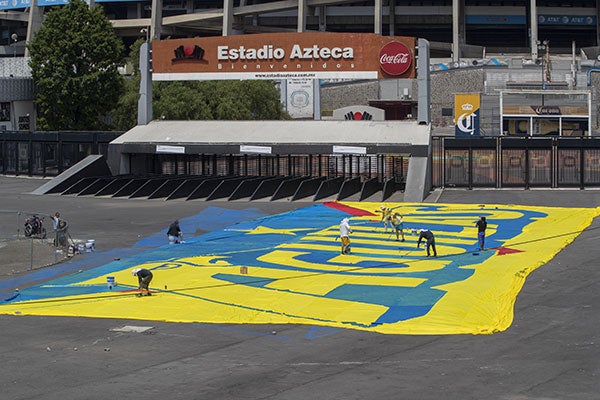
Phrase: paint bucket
[110,282]
[80,248]
[90,246]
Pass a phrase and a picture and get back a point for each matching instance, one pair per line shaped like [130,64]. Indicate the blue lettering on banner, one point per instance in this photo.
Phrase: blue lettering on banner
[495,19]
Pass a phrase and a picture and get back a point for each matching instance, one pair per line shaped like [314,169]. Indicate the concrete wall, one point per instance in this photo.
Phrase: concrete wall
[595,84]
[339,95]
[444,85]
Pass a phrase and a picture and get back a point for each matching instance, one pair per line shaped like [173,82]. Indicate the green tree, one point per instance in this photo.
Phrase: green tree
[199,100]
[218,100]
[124,115]
[74,61]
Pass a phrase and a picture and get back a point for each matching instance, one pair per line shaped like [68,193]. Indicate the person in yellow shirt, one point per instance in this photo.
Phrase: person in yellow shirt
[386,216]
[398,226]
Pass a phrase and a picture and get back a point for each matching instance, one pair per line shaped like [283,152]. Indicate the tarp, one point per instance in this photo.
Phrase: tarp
[289,268]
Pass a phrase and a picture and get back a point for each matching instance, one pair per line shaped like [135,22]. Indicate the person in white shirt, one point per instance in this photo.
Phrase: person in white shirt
[345,232]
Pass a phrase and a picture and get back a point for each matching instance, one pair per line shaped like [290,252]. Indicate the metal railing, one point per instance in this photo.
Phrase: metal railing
[24,249]
[49,153]
[520,162]
[379,166]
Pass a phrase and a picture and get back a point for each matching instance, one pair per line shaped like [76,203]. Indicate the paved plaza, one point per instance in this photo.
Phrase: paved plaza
[549,351]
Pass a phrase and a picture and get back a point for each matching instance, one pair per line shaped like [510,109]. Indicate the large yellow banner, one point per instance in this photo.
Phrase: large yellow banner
[289,269]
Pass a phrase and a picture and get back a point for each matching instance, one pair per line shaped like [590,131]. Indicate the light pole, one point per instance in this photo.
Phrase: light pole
[14,37]
[147,32]
[145,66]
[544,46]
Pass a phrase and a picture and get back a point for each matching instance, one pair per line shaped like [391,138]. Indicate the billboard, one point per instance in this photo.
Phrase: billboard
[300,95]
[13,4]
[572,20]
[285,56]
[537,110]
[466,114]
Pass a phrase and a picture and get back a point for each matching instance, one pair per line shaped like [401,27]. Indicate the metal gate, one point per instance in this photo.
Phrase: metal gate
[380,166]
[523,162]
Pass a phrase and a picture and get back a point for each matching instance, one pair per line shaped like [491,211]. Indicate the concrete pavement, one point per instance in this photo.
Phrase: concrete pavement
[551,351]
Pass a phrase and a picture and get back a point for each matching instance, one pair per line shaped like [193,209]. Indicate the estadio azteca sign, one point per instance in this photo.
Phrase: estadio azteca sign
[285,55]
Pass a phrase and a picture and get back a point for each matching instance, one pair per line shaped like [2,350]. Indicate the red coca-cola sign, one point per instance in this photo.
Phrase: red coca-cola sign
[395,58]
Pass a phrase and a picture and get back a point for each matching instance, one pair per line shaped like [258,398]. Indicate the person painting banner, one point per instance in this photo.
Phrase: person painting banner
[397,226]
[429,241]
[481,225]
[144,278]
[345,232]
[174,233]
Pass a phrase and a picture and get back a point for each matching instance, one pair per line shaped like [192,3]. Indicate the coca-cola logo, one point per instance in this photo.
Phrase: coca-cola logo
[395,58]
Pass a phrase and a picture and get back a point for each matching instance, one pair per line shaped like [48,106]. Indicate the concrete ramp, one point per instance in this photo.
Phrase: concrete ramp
[92,165]
[417,180]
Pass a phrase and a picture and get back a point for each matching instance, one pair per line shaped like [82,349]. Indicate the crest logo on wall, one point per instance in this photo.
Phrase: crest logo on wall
[466,114]
[188,53]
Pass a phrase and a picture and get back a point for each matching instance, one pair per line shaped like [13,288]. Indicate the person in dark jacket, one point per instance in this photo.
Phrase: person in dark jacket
[144,278]
[481,227]
[174,233]
[429,241]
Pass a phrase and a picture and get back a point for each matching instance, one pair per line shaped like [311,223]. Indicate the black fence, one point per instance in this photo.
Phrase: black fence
[382,167]
[524,162]
[49,153]
[488,162]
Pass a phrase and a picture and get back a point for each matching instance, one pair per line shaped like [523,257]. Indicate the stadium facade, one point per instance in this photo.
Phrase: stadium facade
[530,63]
[455,28]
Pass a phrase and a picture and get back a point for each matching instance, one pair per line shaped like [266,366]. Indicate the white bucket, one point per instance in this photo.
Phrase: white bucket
[90,246]
[110,282]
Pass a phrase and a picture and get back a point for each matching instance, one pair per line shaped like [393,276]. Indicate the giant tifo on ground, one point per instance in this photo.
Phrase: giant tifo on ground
[287,269]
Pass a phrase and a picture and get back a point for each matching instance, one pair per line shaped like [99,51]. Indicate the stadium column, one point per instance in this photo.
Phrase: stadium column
[597,24]
[316,99]
[458,28]
[156,20]
[145,99]
[423,83]
[322,19]
[378,17]
[392,17]
[302,9]
[533,31]
[34,22]
[418,176]
[227,17]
